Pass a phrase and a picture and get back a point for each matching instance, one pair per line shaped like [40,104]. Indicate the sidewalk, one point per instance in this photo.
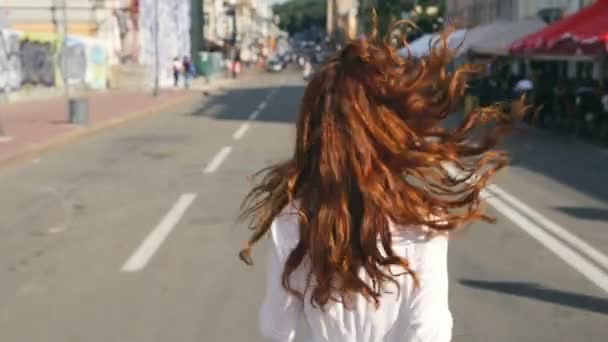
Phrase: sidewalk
[34,126]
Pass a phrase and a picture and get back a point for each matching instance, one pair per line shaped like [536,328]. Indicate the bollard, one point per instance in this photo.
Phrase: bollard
[79,111]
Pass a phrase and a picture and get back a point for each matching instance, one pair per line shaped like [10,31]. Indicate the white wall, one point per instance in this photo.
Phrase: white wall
[174,34]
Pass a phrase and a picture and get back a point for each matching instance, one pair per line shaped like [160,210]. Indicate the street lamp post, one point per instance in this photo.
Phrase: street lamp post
[78,112]
[64,49]
[234,37]
[156,50]
[4,24]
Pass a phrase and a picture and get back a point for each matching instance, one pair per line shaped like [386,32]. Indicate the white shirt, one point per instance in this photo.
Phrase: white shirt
[416,315]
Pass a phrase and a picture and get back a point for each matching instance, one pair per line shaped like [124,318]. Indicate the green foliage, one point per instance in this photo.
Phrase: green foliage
[299,15]
[389,11]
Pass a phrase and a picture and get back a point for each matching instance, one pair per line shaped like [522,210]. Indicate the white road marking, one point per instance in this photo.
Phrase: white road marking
[155,239]
[562,233]
[262,105]
[219,158]
[254,115]
[561,250]
[244,127]
[241,131]
[525,217]
[57,229]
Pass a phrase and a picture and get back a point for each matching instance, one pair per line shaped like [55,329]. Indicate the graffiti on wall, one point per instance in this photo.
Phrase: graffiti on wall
[10,61]
[126,21]
[36,60]
[97,66]
[75,60]
[174,34]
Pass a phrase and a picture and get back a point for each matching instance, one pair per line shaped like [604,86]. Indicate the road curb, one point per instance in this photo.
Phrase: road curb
[80,133]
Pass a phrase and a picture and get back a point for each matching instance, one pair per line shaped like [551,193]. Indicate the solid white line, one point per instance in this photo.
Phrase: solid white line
[155,239]
[241,131]
[562,251]
[497,197]
[576,242]
[219,158]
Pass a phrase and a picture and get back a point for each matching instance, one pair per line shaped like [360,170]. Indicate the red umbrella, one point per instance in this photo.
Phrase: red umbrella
[584,32]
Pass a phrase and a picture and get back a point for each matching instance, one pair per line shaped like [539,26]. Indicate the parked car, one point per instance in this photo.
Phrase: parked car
[275,65]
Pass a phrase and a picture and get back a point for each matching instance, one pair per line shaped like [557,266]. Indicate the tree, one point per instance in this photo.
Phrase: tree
[388,11]
[301,15]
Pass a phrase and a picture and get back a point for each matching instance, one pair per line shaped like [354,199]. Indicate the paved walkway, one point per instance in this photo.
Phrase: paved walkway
[30,126]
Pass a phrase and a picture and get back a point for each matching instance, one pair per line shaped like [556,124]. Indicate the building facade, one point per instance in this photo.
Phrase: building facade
[342,18]
[479,12]
[114,42]
[123,33]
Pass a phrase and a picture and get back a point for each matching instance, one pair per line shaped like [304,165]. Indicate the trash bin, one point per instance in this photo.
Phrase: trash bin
[79,111]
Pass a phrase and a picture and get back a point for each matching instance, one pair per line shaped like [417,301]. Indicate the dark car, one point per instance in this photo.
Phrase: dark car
[274,65]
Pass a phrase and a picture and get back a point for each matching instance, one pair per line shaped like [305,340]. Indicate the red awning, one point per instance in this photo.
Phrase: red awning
[584,32]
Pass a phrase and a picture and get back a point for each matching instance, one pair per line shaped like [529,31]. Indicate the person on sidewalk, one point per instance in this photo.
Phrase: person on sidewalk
[236,63]
[177,70]
[187,71]
[525,87]
[307,72]
[359,217]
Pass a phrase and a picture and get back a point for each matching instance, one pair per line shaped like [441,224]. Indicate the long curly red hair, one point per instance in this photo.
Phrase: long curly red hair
[371,147]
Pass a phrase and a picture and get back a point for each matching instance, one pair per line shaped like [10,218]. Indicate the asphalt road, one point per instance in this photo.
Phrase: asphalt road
[131,235]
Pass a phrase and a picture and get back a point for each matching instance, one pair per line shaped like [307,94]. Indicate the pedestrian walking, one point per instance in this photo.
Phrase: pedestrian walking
[307,72]
[237,64]
[187,71]
[177,71]
[359,217]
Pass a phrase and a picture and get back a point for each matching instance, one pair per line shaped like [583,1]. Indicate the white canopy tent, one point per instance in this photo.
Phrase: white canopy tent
[495,38]
[422,46]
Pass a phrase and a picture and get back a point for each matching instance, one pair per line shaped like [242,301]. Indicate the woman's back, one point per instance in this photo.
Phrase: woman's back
[405,312]
[368,173]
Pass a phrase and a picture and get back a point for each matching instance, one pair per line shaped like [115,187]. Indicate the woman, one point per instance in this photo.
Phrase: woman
[187,71]
[177,70]
[358,217]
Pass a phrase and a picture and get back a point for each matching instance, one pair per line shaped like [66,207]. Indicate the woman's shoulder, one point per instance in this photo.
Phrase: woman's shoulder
[285,229]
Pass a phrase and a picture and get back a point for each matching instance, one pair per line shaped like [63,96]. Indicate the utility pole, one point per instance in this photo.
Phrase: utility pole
[234,37]
[4,24]
[64,49]
[156,50]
